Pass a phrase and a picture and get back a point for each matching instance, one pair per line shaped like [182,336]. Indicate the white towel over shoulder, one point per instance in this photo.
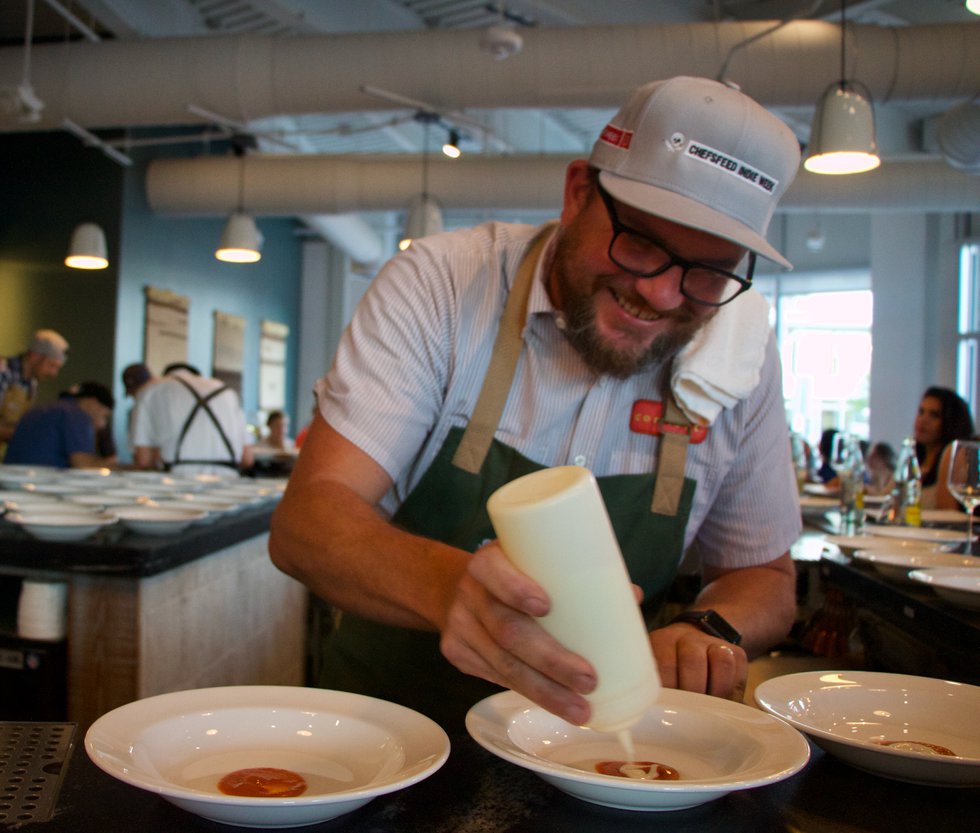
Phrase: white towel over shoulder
[722,363]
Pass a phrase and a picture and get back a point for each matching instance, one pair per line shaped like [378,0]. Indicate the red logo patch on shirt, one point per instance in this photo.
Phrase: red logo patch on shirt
[648,418]
[617,137]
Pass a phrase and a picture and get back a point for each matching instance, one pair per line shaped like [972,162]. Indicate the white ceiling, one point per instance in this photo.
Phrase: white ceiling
[387,125]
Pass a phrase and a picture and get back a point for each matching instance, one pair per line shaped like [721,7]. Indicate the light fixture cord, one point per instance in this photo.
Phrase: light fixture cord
[843,18]
[425,162]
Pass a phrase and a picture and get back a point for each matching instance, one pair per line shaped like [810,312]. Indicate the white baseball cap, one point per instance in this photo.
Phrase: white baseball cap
[701,154]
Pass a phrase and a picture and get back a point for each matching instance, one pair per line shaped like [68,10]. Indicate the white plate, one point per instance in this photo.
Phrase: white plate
[349,749]
[849,544]
[99,499]
[849,713]
[819,490]
[959,585]
[944,516]
[60,527]
[15,499]
[896,565]
[811,503]
[156,520]
[917,533]
[50,487]
[716,746]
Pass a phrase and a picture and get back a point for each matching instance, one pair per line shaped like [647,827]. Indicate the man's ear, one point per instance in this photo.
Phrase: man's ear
[578,190]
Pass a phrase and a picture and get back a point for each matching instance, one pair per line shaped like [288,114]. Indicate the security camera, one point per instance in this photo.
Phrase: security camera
[501,41]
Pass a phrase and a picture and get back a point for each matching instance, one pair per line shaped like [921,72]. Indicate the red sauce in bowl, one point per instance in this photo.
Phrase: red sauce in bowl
[638,770]
[263,782]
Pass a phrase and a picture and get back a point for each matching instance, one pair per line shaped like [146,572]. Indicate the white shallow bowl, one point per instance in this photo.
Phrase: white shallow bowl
[17,499]
[99,499]
[918,533]
[52,526]
[14,476]
[897,565]
[156,520]
[958,585]
[849,713]
[347,747]
[849,544]
[716,746]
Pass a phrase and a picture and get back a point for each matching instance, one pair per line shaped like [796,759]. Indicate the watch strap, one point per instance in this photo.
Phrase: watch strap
[711,623]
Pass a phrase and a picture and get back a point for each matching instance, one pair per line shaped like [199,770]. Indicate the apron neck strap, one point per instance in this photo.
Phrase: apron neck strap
[475,443]
[482,426]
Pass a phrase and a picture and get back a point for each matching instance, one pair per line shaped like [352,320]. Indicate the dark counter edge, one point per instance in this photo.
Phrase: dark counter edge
[116,553]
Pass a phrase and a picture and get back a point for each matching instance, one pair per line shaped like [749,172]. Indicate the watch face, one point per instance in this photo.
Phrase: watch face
[716,625]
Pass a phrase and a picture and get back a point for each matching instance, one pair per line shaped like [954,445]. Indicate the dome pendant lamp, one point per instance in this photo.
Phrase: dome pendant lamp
[87,249]
[241,240]
[842,137]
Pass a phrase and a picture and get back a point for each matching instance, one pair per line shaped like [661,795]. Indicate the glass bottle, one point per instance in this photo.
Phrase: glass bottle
[850,470]
[907,494]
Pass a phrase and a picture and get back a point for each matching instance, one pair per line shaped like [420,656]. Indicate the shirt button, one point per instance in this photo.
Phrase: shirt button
[579,460]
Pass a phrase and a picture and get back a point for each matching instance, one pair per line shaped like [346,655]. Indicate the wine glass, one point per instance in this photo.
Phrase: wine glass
[964,480]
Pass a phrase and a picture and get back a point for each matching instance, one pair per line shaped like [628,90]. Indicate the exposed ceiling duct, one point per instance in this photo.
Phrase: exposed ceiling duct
[278,185]
[152,82]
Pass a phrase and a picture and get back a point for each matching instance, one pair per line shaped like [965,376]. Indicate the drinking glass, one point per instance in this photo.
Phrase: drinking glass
[964,480]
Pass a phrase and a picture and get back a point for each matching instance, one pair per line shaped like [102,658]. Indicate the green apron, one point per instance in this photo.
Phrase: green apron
[649,515]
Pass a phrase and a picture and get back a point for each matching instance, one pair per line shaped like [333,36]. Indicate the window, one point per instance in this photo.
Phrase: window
[968,348]
[823,329]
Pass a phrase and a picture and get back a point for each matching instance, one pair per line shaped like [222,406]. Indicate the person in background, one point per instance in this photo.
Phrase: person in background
[826,473]
[943,416]
[617,313]
[63,433]
[277,432]
[301,436]
[135,379]
[44,357]
[879,467]
[190,424]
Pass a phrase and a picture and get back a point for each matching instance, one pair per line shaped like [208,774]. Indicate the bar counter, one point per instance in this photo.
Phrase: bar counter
[153,614]
[475,792]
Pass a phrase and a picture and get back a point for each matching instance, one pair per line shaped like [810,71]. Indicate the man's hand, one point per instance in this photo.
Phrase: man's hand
[695,661]
[492,632]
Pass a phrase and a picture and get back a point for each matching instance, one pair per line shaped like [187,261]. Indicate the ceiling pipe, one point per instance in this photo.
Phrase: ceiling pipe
[152,82]
[319,184]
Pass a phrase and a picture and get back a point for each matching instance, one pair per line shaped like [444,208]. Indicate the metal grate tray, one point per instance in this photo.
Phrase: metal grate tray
[33,759]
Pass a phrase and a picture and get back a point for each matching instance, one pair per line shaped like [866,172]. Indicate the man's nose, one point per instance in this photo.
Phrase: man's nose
[663,292]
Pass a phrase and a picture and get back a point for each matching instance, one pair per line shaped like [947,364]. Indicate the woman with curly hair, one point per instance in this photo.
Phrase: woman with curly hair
[943,416]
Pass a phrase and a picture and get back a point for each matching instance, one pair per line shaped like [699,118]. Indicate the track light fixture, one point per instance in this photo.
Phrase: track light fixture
[451,147]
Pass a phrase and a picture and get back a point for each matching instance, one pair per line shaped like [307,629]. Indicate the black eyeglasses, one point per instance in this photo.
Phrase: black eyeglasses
[645,257]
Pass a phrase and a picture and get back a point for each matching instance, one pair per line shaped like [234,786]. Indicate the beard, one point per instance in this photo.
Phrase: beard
[577,304]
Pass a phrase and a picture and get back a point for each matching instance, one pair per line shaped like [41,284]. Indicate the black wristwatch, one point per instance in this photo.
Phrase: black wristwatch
[711,623]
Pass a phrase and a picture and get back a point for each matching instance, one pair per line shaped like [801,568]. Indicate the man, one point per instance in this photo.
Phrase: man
[63,433]
[19,376]
[626,298]
[135,378]
[189,424]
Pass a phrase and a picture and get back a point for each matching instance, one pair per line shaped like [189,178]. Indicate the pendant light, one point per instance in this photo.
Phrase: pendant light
[424,214]
[973,6]
[842,137]
[241,240]
[87,249]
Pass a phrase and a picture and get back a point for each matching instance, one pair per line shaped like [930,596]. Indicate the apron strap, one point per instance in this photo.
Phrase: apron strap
[673,460]
[202,404]
[473,447]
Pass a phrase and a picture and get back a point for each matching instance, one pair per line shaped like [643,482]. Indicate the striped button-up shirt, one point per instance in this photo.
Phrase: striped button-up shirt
[411,364]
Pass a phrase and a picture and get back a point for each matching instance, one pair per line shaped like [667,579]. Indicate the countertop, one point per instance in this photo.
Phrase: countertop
[475,792]
[115,551]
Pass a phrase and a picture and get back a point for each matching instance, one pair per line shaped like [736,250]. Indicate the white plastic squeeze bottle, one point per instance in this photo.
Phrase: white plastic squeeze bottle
[553,526]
